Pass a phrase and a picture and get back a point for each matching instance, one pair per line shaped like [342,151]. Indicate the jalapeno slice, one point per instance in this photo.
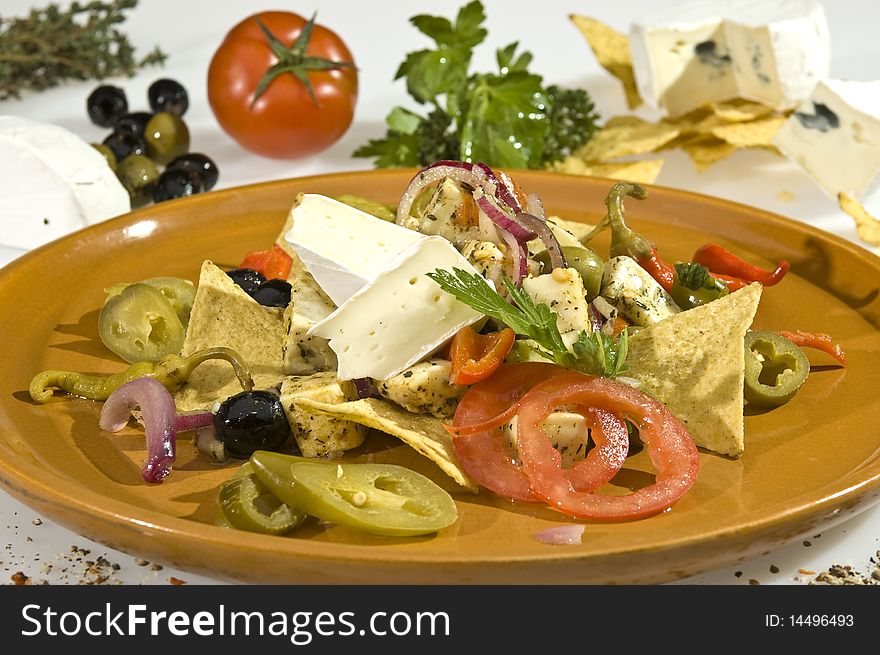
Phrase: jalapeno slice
[140,325]
[381,499]
[180,293]
[246,504]
[775,369]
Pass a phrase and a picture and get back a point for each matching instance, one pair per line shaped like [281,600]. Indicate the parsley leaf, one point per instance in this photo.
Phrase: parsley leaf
[505,119]
[594,353]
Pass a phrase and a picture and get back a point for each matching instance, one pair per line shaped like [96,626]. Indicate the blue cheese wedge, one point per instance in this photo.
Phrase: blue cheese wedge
[770,52]
[399,318]
[342,247]
[53,183]
[634,293]
[835,137]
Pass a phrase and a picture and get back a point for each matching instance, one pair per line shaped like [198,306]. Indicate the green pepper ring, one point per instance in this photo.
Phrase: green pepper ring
[780,359]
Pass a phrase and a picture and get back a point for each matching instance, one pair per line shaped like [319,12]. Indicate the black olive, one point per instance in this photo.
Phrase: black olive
[134,123]
[247,278]
[168,95]
[176,183]
[273,293]
[251,421]
[123,145]
[106,104]
[202,164]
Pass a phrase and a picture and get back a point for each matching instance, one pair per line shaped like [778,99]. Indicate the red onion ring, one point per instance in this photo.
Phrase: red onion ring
[535,206]
[502,188]
[475,178]
[543,231]
[159,417]
[519,256]
[502,220]
[194,421]
[364,387]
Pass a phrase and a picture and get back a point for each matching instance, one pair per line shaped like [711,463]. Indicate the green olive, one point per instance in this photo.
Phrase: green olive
[179,292]
[140,325]
[167,137]
[138,174]
[586,262]
[108,154]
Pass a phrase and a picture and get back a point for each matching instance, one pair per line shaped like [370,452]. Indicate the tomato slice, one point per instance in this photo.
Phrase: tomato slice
[669,445]
[274,263]
[485,454]
[476,356]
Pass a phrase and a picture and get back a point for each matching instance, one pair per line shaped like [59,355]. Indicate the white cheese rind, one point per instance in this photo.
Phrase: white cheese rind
[400,317]
[835,137]
[53,183]
[770,52]
[342,247]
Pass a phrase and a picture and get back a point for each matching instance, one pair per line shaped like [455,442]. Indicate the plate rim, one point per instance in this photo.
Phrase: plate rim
[22,478]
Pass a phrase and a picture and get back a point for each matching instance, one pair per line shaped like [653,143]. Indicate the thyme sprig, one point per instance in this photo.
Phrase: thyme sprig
[52,45]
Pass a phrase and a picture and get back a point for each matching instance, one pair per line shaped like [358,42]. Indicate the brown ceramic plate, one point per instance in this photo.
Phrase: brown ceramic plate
[807,465]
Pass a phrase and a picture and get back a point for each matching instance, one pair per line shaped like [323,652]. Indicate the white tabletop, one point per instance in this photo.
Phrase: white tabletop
[379,35]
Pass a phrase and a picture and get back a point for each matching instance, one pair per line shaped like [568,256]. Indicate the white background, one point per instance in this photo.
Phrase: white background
[379,35]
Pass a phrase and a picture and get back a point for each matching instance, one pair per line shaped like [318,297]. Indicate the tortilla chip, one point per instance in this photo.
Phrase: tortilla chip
[612,52]
[224,315]
[642,172]
[423,433]
[626,135]
[867,227]
[694,362]
[753,134]
[739,110]
[706,152]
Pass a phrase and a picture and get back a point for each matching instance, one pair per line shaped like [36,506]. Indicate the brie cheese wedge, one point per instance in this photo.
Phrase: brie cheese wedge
[342,247]
[835,137]
[399,318]
[769,52]
[53,183]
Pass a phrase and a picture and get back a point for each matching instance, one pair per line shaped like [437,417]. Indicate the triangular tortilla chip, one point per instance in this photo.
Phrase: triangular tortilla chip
[694,363]
[612,52]
[423,433]
[224,315]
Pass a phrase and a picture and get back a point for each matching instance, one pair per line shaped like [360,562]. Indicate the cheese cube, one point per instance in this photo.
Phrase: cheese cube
[769,52]
[400,317]
[835,137]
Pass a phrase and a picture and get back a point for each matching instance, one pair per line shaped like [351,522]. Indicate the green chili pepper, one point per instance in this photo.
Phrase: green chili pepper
[775,369]
[172,371]
[624,240]
[246,504]
[693,286]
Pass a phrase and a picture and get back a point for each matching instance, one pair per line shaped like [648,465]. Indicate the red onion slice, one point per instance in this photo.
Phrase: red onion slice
[535,206]
[501,188]
[518,256]
[542,229]
[159,417]
[502,220]
[195,421]
[473,177]
[364,387]
[564,535]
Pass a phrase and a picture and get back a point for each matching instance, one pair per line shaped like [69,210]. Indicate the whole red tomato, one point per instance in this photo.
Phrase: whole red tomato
[282,86]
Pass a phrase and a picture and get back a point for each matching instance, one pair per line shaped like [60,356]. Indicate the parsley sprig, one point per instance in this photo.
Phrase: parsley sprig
[593,353]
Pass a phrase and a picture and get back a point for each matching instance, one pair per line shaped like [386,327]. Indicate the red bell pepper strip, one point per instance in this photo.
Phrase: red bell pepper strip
[273,263]
[820,341]
[721,261]
[476,356]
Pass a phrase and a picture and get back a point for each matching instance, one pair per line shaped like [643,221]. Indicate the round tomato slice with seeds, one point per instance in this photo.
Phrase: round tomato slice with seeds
[486,454]
[669,445]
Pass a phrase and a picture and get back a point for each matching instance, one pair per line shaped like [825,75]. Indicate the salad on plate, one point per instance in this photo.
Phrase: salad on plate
[492,338]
